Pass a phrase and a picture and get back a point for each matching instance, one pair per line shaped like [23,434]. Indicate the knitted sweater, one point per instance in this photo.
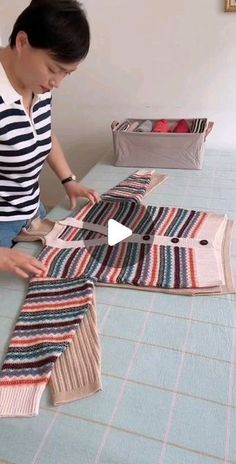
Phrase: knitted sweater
[169,248]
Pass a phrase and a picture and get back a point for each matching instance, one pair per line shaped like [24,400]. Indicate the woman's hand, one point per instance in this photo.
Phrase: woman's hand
[75,190]
[20,263]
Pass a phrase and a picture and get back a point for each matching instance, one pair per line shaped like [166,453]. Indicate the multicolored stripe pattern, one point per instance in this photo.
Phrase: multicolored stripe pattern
[55,306]
[136,264]
[131,189]
[165,221]
[51,314]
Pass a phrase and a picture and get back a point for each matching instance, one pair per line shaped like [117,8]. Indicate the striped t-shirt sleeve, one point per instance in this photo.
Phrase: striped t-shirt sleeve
[25,142]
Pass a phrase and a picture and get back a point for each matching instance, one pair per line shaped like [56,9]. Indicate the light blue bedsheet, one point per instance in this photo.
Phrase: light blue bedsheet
[168,362]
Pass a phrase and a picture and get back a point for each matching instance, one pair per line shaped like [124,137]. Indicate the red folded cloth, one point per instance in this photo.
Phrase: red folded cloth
[182,127]
[161,126]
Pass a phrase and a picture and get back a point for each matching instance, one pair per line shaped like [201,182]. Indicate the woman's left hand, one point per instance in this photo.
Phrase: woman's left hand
[75,190]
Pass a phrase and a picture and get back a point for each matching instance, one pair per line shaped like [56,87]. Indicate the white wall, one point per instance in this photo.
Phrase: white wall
[148,58]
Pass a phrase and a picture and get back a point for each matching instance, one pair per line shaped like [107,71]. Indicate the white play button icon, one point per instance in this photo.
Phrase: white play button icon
[117,232]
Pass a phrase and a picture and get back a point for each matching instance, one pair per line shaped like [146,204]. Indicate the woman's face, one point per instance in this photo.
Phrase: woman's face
[37,70]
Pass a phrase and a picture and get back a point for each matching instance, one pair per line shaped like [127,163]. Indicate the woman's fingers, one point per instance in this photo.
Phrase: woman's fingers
[20,273]
[20,263]
[94,196]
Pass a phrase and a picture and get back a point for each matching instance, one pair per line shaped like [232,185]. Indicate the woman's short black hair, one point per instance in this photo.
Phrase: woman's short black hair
[59,26]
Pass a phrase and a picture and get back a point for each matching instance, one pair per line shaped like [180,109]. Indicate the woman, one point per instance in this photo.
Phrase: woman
[49,40]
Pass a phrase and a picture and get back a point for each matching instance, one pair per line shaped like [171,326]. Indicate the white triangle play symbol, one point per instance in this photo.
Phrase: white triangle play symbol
[117,232]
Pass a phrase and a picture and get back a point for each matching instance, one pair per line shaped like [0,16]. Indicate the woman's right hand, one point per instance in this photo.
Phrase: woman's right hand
[20,263]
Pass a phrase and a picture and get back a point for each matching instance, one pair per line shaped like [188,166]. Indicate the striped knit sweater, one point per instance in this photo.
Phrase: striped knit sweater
[170,248]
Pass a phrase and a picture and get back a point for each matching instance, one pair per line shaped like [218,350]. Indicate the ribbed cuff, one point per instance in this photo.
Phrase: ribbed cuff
[20,401]
[76,394]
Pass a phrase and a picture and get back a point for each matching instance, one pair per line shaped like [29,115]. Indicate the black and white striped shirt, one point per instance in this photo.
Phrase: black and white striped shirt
[25,142]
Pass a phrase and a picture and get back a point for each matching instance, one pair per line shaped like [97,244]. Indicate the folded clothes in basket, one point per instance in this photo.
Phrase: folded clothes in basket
[163,143]
[196,126]
[161,126]
[182,127]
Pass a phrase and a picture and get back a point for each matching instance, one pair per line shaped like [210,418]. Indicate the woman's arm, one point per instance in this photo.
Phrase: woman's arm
[59,165]
[57,161]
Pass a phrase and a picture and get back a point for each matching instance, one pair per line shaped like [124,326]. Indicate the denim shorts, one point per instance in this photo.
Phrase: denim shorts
[10,229]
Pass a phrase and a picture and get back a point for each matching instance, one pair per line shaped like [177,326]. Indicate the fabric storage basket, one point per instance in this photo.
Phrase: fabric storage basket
[160,149]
